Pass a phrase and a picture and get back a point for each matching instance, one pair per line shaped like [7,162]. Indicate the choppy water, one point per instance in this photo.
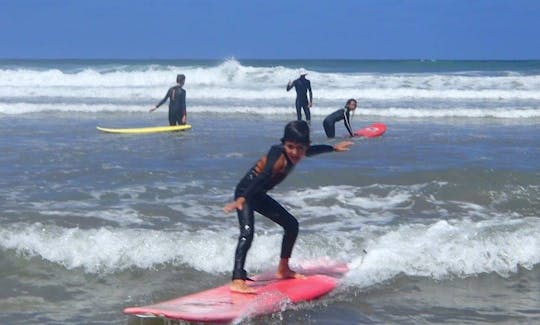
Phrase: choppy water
[446,203]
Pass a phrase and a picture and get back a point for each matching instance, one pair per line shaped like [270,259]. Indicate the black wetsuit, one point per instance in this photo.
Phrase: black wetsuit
[302,87]
[330,120]
[177,104]
[269,171]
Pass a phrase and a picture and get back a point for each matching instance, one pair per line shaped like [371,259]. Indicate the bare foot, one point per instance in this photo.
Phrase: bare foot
[240,286]
[289,274]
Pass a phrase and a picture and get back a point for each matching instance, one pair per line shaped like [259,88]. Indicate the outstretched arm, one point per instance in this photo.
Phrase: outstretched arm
[323,148]
[343,146]
[167,95]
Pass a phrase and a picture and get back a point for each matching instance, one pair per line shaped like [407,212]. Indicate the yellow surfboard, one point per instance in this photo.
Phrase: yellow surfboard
[146,130]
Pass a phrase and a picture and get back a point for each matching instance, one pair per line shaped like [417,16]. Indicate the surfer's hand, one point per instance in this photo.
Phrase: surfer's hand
[237,204]
[342,146]
[152,109]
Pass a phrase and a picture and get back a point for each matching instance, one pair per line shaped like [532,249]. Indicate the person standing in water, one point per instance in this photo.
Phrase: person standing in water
[302,87]
[341,114]
[251,195]
[177,102]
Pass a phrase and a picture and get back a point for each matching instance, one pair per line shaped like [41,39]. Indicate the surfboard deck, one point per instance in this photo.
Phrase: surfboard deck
[371,131]
[145,130]
[220,305]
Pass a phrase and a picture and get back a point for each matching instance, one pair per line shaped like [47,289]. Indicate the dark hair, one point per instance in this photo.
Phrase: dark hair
[180,78]
[351,100]
[296,131]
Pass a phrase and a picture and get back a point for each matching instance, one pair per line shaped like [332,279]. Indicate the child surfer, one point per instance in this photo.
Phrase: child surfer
[341,114]
[177,102]
[250,196]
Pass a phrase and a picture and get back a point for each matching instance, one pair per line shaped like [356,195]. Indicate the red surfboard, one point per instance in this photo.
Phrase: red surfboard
[220,305]
[374,130]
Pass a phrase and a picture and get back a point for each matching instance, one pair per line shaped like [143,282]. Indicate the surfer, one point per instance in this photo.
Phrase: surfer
[340,114]
[250,195]
[177,102]
[302,87]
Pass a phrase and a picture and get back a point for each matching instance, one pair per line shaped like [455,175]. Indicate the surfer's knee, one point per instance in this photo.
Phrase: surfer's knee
[246,234]
[292,227]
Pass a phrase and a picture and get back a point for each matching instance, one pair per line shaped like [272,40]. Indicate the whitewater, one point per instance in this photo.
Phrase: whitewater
[232,88]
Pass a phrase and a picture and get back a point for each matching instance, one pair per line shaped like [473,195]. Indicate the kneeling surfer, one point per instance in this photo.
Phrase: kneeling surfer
[341,114]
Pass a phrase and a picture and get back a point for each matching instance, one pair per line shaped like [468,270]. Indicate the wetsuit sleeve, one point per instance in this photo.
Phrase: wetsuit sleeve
[257,184]
[165,98]
[289,87]
[183,102]
[318,149]
[347,122]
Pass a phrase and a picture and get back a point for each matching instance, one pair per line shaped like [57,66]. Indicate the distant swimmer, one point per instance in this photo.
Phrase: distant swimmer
[177,102]
[302,87]
[341,114]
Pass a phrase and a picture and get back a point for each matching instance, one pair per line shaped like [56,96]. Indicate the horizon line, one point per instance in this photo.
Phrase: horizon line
[257,59]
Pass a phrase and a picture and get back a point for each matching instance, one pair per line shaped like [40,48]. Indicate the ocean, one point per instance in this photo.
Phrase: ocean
[446,203]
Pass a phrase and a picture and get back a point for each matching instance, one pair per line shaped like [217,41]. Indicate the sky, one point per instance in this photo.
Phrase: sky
[270,29]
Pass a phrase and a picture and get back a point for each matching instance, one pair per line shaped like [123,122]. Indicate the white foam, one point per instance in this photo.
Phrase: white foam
[232,74]
[351,202]
[460,112]
[233,88]
[438,250]
[153,93]
[449,248]
[425,112]
[108,250]
[336,222]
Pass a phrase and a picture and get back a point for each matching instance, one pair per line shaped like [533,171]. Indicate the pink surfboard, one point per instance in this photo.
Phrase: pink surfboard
[374,130]
[220,305]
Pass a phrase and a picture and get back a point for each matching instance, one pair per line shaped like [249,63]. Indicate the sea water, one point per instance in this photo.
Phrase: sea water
[446,203]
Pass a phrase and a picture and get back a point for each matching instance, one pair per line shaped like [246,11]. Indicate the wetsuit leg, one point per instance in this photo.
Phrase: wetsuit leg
[271,209]
[178,117]
[298,111]
[246,222]
[329,128]
[172,117]
[307,113]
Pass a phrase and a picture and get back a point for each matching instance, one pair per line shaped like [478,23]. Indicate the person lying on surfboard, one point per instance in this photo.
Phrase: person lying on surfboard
[177,102]
[341,114]
[250,195]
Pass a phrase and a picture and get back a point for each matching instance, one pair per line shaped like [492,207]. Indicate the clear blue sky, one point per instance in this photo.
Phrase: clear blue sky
[270,29]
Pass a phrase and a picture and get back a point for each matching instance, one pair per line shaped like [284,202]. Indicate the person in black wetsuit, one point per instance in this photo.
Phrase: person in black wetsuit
[177,102]
[302,87]
[251,195]
[341,114]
